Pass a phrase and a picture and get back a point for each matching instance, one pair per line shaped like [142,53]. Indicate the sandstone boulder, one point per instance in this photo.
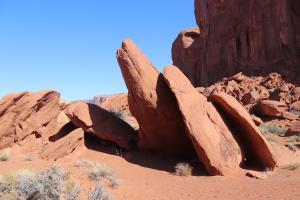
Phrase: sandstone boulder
[256,149]
[212,139]
[294,129]
[251,97]
[257,121]
[101,123]
[296,94]
[295,106]
[152,103]
[271,108]
[281,94]
[64,146]
[26,114]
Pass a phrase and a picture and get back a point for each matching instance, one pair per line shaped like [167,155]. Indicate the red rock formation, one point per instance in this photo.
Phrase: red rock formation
[25,114]
[152,103]
[64,146]
[235,35]
[101,123]
[256,149]
[212,139]
[118,104]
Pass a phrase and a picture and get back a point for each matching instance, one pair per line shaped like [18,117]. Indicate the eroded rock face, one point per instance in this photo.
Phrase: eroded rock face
[152,103]
[212,139]
[64,146]
[25,114]
[256,149]
[101,123]
[249,36]
[294,129]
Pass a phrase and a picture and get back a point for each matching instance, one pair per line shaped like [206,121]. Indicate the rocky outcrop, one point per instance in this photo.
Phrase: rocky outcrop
[64,146]
[26,114]
[256,149]
[271,108]
[294,129]
[253,37]
[101,123]
[152,103]
[212,139]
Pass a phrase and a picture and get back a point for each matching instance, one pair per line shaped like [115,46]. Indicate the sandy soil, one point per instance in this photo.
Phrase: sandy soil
[150,177]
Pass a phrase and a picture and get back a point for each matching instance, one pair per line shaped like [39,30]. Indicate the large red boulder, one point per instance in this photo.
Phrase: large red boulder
[256,149]
[152,103]
[101,123]
[249,36]
[212,139]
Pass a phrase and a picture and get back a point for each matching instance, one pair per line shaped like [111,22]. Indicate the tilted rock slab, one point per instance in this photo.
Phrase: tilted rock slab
[25,114]
[64,146]
[213,141]
[152,103]
[257,150]
[101,123]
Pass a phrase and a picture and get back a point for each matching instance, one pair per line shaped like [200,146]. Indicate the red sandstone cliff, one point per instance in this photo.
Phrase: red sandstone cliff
[235,35]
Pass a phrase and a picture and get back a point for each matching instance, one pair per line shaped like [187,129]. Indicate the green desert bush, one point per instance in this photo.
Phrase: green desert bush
[295,112]
[272,138]
[183,169]
[99,193]
[269,128]
[295,138]
[5,155]
[49,184]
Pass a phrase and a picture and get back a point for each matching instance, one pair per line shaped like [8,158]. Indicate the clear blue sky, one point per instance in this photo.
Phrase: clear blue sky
[70,45]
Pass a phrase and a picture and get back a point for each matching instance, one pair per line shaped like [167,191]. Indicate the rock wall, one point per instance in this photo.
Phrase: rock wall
[250,36]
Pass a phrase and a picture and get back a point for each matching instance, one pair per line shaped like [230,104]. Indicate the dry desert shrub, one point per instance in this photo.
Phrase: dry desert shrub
[99,193]
[5,155]
[272,138]
[49,184]
[183,169]
[269,128]
[294,166]
[102,173]
[83,163]
[295,138]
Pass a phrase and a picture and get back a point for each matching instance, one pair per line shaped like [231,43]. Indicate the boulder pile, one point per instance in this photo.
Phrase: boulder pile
[174,115]
[60,127]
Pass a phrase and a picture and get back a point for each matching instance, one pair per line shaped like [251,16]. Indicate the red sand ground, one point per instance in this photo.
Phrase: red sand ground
[149,177]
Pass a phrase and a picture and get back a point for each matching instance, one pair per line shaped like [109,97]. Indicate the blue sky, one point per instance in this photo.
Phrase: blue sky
[70,45]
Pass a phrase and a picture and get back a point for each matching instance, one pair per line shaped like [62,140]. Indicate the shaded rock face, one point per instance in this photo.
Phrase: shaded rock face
[152,103]
[256,149]
[118,104]
[101,123]
[212,139]
[252,36]
[26,114]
